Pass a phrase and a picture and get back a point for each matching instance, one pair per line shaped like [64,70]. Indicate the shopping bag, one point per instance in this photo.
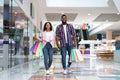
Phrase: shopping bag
[73,56]
[79,56]
[55,45]
[32,48]
[36,46]
[76,58]
[41,49]
[37,50]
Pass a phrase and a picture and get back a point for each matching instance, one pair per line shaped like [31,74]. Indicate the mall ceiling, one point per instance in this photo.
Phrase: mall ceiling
[92,15]
[95,16]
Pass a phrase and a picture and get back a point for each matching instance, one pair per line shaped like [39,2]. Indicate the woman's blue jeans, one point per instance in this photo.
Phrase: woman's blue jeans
[48,55]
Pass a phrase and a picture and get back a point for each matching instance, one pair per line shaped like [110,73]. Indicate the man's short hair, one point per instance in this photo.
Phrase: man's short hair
[63,16]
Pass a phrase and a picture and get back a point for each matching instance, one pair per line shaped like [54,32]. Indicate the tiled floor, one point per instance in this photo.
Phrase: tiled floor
[91,69]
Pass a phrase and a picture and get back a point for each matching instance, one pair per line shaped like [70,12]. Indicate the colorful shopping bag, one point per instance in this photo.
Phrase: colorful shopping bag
[76,58]
[36,46]
[38,50]
[55,45]
[79,56]
[72,56]
[41,49]
[32,48]
[76,55]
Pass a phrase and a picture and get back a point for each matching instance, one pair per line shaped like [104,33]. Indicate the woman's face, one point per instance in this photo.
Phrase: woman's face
[47,26]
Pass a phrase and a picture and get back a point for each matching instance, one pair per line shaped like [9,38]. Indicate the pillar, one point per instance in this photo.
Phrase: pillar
[109,37]
[5,58]
[31,28]
[109,34]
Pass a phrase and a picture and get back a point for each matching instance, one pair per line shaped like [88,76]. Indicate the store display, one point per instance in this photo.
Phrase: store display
[105,50]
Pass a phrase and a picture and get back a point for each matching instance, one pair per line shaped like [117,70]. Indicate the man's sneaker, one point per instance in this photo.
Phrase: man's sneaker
[69,70]
[47,72]
[65,72]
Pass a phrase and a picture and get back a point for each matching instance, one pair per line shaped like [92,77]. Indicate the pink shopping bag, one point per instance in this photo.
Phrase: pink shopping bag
[36,46]
[38,50]
[79,55]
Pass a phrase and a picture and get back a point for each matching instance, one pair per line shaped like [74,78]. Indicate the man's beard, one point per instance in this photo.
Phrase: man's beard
[63,22]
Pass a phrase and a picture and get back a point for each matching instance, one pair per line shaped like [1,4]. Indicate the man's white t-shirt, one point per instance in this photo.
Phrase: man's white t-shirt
[65,31]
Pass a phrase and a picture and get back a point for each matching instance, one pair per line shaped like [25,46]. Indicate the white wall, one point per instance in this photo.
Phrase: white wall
[26,8]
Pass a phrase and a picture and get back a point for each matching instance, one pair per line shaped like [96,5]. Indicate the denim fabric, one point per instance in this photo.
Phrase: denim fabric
[63,54]
[48,55]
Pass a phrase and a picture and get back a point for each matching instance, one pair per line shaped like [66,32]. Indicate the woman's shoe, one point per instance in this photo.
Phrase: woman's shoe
[47,72]
[65,72]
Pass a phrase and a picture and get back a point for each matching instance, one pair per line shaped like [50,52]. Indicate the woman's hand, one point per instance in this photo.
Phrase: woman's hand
[45,41]
[50,40]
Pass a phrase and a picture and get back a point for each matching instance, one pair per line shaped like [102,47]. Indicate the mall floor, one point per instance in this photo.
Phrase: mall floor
[91,69]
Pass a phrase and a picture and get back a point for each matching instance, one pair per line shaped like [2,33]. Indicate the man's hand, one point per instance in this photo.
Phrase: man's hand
[74,40]
[57,42]
[74,44]
[59,46]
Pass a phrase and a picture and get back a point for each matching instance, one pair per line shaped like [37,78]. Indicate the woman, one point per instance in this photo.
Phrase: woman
[48,38]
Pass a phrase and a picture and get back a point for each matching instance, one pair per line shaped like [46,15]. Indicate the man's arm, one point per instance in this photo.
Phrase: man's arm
[57,42]
[74,36]
[58,38]
[74,41]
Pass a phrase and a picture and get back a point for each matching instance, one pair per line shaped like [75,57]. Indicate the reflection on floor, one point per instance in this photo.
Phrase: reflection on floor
[15,60]
[91,69]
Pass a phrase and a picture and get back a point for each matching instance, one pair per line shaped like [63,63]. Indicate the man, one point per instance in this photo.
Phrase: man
[65,40]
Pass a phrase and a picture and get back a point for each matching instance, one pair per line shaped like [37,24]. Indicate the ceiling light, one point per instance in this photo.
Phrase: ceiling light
[89,14]
[76,3]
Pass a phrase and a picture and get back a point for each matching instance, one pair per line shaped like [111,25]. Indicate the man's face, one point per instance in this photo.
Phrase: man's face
[64,20]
